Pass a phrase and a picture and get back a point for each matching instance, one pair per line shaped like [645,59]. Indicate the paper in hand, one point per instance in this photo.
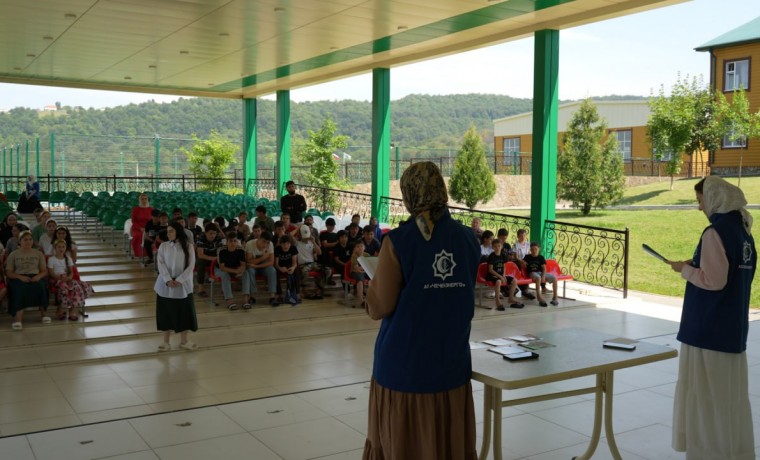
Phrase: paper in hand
[654,253]
[369,264]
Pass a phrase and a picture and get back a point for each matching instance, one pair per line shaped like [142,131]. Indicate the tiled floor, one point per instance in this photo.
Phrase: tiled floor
[124,408]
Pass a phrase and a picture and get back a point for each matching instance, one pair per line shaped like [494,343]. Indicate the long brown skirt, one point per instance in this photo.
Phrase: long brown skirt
[420,426]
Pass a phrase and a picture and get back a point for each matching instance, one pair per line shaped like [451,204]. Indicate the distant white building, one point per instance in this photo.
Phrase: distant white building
[49,108]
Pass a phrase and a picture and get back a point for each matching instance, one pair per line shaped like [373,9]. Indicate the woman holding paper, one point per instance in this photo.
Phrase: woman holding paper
[420,403]
[712,415]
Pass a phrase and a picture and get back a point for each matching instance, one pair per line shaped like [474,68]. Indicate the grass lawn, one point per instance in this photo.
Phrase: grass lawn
[674,234]
[659,193]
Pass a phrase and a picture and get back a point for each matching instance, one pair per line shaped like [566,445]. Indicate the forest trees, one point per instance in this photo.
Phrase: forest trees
[210,159]
[317,153]
[472,179]
[590,169]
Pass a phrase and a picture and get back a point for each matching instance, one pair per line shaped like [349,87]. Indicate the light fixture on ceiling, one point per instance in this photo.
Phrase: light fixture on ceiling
[279,9]
[152,66]
[224,34]
[127,77]
[402,27]
[211,84]
[47,38]
[333,48]
[31,55]
[184,52]
[70,16]
[17,68]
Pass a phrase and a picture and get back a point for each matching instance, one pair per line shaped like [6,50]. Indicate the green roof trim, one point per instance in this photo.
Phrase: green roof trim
[747,33]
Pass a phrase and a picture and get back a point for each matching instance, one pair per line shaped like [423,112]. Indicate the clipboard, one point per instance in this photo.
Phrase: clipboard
[648,249]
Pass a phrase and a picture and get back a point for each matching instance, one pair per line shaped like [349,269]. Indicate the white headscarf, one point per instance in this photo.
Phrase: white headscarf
[721,197]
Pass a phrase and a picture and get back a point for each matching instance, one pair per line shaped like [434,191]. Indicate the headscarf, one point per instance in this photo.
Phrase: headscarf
[721,197]
[424,195]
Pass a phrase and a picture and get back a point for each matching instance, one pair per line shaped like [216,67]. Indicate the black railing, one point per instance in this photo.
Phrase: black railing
[79,184]
[339,202]
[262,188]
[593,255]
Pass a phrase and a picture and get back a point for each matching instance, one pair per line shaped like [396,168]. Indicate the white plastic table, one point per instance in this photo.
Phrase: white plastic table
[577,353]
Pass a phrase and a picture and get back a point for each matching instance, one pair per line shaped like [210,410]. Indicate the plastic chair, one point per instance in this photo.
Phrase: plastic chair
[553,267]
[481,281]
[511,269]
[348,282]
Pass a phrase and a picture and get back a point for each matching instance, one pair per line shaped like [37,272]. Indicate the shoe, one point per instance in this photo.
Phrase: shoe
[164,347]
[148,262]
[545,290]
[542,304]
[554,302]
[500,308]
[61,315]
[247,306]
[273,302]
[528,296]
[331,282]
[17,326]
[46,320]
[188,345]
[232,306]
[293,301]
[73,317]
[517,305]
[490,295]
[202,294]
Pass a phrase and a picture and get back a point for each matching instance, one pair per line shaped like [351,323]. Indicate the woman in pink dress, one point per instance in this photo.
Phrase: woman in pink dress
[140,217]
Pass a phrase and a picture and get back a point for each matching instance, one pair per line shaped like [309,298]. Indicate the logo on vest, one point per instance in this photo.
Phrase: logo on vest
[443,265]
[747,252]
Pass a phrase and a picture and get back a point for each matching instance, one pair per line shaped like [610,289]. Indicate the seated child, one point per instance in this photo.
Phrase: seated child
[308,252]
[286,262]
[232,263]
[70,294]
[496,261]
[341,252]
[485,245]
[536,270]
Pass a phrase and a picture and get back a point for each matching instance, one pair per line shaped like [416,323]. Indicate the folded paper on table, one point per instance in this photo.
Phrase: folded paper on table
[507,350]
[369,264]
[499,342]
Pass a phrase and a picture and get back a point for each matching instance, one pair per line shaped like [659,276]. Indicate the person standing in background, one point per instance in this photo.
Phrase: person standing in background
[140,216]
[293,203]
[712,416]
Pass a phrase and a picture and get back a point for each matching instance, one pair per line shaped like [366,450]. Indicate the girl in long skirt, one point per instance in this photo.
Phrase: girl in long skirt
[70,293]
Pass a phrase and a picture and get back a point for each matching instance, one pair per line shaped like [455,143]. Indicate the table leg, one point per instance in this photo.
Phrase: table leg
[496,398]
[487,408]
[596,432]
[608,389]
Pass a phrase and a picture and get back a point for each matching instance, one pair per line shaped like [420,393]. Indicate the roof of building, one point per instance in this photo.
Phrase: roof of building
[747,33]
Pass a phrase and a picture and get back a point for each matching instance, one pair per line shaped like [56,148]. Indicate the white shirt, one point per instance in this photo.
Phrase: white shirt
[46,245]
[58,266]
[170,262]
[522,249]
[305,252]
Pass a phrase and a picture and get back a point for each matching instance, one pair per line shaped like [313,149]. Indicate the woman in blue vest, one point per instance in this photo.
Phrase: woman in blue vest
[712,417]
[420,403]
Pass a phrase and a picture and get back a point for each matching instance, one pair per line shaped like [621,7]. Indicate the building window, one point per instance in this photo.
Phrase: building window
[624,143]
[511,151]
[731,141]
[736,75]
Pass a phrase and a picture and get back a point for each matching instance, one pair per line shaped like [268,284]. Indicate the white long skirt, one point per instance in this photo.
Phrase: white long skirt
[712,417]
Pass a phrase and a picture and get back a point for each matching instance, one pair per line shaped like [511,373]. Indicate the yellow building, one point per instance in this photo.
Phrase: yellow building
[627,120]
[734,58]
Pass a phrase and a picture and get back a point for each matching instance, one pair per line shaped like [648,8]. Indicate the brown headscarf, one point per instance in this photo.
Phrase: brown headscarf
[424,194]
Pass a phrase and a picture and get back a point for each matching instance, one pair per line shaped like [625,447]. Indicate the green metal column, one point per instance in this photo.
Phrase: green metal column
[157,145]
[381,141]
[18,160]
[545,102]
[5,171]
[250,155]
[37,154]
[52,156]
[283,140]
[10,164]
[27,158]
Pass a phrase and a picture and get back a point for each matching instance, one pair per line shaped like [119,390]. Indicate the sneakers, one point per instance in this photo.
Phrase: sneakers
[17,326]
[164,347]
[528,296]
[46,320]
[273,302]
[293,301]
[188,345]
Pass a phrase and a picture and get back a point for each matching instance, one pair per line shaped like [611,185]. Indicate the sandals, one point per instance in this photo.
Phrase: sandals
[529,296]
[543,304]
[188,345]
[17,326]
[500,307]
[247,306]
[517,305]
[232,306]
[164,347]
[554,302]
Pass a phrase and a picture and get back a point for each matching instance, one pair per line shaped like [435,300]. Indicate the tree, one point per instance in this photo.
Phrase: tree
[472,179]
[210,159]
[590,166]
[323,171]
[735,117]
[684,122]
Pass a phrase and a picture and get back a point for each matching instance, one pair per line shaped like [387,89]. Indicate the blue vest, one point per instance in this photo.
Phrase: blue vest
[717,320]
[423,347]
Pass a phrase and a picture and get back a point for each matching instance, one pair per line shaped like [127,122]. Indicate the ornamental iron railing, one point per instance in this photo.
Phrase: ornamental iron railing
[593,255]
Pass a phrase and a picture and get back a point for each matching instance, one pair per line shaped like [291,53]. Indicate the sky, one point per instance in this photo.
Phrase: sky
[632,55]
